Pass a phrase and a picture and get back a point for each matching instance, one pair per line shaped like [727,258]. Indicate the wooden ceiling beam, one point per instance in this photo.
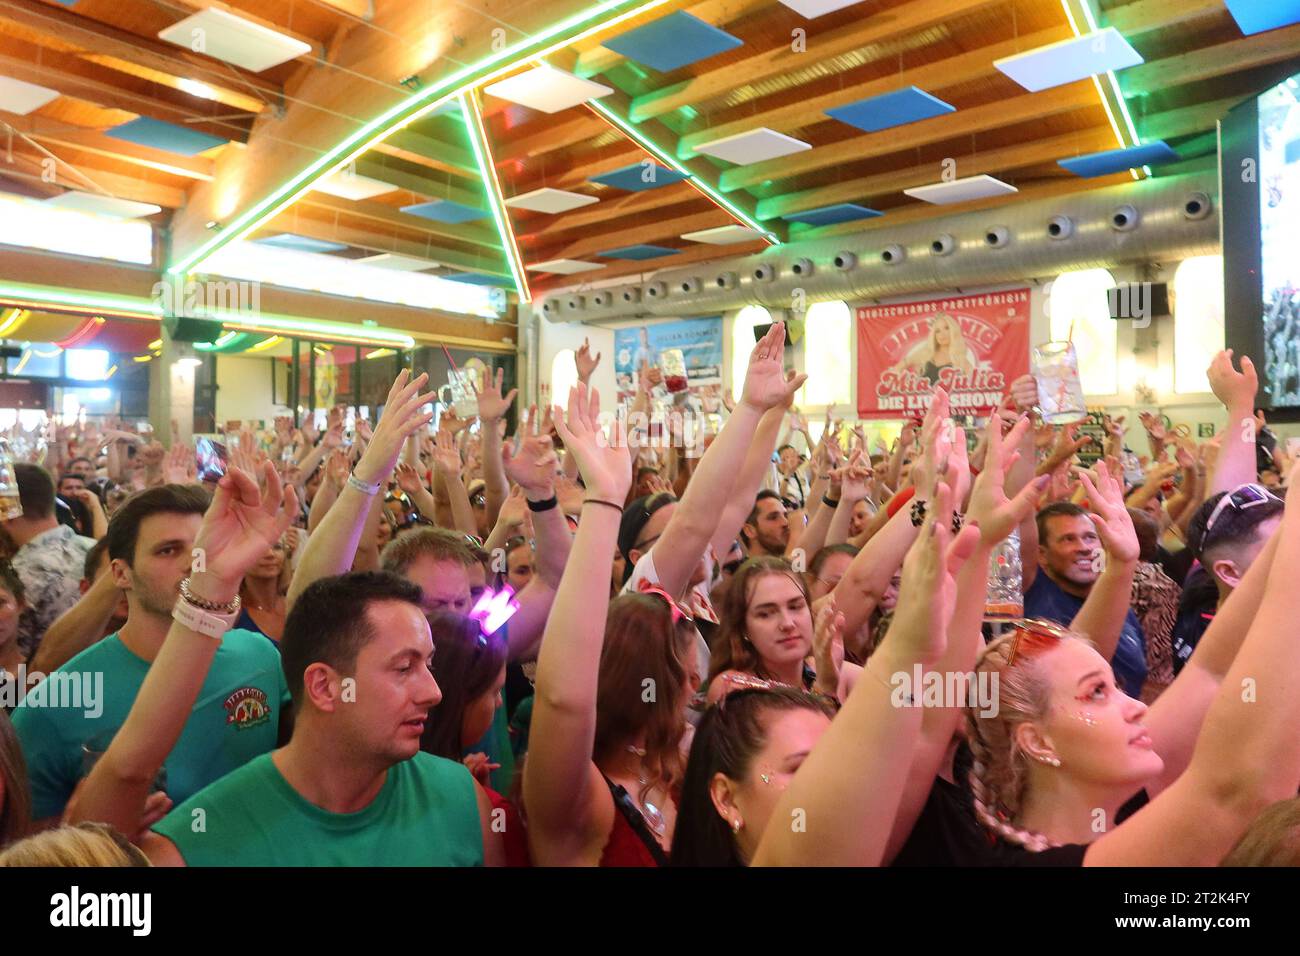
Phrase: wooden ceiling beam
[613,204]
[863,188]
[467,232]
[858,38]
[1209,62]
[377,166]
[1149,16]
[542,287]
[54,133]
[647,232]
[104,44]
[302,222]
[976,119]
[33,166]
[72,76]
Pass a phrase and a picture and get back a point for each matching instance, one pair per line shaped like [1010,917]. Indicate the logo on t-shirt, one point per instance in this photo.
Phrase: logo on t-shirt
[246,708]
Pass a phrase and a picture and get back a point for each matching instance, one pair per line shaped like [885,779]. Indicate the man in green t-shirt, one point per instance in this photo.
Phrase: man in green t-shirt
[237,713]
[351,786]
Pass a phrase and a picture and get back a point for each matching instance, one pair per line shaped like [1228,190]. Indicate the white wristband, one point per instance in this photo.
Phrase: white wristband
[361,486]
[203,622]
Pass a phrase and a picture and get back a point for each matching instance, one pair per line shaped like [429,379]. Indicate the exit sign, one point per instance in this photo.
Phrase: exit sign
[1205,430]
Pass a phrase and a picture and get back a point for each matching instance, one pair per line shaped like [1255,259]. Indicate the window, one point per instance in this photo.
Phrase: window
[564,375]
[1080,312]
[828,348]
[742,343]
[1198,321]
[31,223]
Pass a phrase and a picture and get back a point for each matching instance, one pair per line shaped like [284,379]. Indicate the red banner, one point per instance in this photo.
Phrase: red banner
[972,345]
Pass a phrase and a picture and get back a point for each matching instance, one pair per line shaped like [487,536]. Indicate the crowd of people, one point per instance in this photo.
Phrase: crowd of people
[431,643]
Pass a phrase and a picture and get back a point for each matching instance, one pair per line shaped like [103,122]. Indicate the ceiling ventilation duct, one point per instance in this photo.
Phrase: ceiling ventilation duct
[1163,219]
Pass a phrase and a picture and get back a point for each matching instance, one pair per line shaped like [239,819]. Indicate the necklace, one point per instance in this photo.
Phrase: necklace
[654,818]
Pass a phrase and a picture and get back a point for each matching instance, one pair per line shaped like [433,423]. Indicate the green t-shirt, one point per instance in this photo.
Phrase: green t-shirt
[426,814]
[235,718]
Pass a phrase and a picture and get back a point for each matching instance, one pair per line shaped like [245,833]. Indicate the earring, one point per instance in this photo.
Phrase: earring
[736,824]
[1051,761]
[766,778]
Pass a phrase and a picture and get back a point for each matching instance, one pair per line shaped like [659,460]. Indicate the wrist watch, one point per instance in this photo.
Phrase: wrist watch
[201,621]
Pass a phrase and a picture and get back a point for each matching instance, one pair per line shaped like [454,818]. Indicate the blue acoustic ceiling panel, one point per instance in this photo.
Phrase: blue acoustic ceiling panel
[289,240]
[638,177]
[830,215]
[1257,16]
[1068,60]
[891,109]
[641,251]
[444,210]
[672,41]
[1118,160]
[168,137]
[477,278]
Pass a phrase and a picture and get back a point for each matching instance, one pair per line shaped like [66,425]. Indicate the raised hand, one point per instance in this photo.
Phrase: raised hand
[403,415]
[990,509]
[408,479]
[1109,514]
[240,525]
[336,468]
[492,405]
[445,454]
[828,648]
[766,383]
[585,363]
[1234,389]
[1155,428]
[570,494]
[1024,392]
[181,466]
[533,466]
[514,510]
[605,462]
[480,766]
[452,422]
[936,442]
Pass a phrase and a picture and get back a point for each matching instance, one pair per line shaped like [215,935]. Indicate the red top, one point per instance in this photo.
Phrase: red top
[514,837]
[625,848]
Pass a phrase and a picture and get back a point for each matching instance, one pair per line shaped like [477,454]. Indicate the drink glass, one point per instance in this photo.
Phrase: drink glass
[673,364]
[1060,393]
[1004,599]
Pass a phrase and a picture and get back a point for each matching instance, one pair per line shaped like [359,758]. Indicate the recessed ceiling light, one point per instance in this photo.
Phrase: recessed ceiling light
[753,146]
[550,200]
[22,98]
[1074,59]
[547,89]
[108,206]
[195,88]
[723,235]
[226,36]
[564,266]
[961,190]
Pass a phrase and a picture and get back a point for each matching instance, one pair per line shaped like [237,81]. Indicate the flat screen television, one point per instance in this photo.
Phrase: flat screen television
[1260,204]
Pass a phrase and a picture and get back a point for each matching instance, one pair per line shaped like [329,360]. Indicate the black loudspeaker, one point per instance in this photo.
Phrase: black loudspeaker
[185,329]
[1132,300]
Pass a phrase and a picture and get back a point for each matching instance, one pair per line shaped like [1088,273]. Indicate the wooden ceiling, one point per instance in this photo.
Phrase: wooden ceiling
[104,58]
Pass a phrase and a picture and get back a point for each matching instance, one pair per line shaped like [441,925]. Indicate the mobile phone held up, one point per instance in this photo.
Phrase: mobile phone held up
[212,459]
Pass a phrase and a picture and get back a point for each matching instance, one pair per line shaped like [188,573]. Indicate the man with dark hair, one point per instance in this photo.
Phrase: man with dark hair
[767,529]
[49,557]
[1069,567]
[1226,535]
[82,467]
[150,545]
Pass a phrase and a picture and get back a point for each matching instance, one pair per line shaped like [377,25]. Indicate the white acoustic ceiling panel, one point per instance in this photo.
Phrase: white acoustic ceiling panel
[348,185]
[961,190]
[22,98]
[398,263]
[108,206]
[231,38]
[723,235]
[1075,59]
[817,8]
[547,89]
[550,200]
[565,267]
[754,146]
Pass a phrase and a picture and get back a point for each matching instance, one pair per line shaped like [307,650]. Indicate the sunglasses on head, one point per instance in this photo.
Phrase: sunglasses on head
[1035,633]
[1242,498]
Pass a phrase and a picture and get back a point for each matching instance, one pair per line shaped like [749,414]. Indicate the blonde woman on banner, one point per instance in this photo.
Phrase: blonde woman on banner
[944,347]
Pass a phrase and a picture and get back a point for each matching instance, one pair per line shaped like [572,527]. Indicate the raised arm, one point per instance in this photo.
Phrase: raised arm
[492,410]
[331,548]
[1245,757]
[1102,616]
[740,502]
[562,787]
[1236,462]
[848,789]
[695,521]
[238,528]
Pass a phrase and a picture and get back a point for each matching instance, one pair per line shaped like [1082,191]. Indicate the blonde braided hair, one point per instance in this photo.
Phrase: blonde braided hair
[999,773]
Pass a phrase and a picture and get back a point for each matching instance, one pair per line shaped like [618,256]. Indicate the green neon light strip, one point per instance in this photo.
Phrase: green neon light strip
[1134,139]
[672,162]
[492,186]
[132,307]
[411,109]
